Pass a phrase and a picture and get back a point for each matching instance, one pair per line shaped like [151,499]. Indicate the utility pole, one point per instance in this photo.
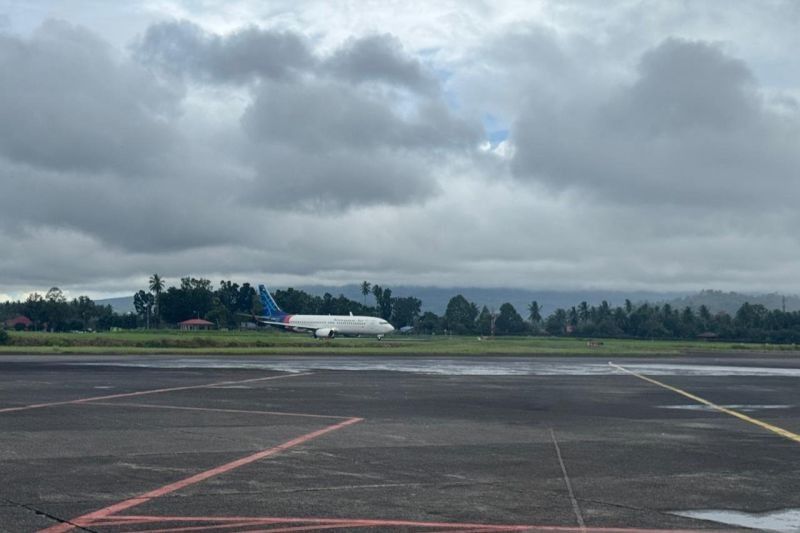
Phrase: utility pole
[784,304]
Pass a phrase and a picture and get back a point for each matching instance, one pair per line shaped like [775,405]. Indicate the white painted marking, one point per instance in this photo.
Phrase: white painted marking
[451,367]
[574,501]
[785,521]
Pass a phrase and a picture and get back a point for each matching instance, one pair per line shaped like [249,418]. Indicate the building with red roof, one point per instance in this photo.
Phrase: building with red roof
[195,324]
[19,322]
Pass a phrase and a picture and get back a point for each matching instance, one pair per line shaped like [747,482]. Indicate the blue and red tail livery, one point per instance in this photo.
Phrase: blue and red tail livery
[271,308]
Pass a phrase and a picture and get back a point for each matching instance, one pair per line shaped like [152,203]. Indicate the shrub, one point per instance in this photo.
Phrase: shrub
[3,336]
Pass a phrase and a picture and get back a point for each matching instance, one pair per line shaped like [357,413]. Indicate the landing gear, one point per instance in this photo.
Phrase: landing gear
[380,337]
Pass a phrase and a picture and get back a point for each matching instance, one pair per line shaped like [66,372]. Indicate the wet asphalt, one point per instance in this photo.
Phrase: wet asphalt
[401,444]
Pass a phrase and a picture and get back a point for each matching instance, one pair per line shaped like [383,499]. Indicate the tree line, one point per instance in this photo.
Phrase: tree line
[157,306]
[52,311]
[229,304]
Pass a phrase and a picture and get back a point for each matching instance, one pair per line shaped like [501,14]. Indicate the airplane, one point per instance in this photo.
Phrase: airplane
[321,326]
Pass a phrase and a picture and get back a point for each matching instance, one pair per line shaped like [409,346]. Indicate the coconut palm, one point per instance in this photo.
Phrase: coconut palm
[535,312]
[366,288]
[156,287]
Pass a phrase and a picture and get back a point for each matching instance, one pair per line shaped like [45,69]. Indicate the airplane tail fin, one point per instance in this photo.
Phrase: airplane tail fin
[271,308]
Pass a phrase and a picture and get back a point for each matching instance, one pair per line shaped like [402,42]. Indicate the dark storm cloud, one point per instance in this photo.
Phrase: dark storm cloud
[121,213]
[323,115]
[68,103]
[246,54]
[693,128]
[81,125]
[253,53]
[688,86]
[90,143]
[324,144]
[366,125]
[297,179]
[297,141]
[379,58]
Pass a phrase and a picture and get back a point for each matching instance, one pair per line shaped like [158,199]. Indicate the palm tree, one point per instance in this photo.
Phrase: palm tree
[583,312]
[535,312]
[573,317]
[156,286]
[377,291]
[366,287]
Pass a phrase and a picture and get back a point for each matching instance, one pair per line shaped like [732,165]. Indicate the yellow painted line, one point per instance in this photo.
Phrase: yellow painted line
[769,427]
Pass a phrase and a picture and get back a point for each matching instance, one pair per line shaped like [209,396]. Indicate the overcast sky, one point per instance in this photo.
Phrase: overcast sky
[545,145]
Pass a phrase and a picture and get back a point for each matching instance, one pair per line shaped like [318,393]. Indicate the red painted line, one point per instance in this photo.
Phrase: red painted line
[243,411]
[249,524]
[470,530]
[321,521]
[221,519]
[197,478]
[487,528]
[380,522]
[200,528]
[445,527]
[303,528]
[476,530]
[115,522]
[144,392]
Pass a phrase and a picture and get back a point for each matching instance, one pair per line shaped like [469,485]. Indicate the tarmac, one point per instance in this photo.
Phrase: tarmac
[446,444]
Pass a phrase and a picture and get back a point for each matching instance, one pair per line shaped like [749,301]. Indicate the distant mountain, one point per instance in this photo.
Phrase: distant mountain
[730,302]
[436,298]
[121,305]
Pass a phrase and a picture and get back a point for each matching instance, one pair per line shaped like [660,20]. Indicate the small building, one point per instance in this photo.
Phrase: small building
[19,322]
[195,324]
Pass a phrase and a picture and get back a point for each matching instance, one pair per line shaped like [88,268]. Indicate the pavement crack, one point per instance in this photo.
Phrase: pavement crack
[48,515]
[388,486]
[620,505]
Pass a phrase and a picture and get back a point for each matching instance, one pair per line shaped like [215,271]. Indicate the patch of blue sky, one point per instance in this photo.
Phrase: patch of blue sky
[496,129]
[452,99]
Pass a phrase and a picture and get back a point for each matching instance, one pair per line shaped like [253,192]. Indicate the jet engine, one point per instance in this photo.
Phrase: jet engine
[325,333]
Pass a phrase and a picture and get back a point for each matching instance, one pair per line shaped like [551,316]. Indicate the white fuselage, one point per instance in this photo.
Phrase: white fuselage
[341,324]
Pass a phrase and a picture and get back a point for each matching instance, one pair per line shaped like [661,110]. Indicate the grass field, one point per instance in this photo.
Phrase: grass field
[278,343]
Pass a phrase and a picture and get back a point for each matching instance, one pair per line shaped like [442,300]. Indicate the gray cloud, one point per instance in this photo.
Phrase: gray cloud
[69,103]
[307,143]
[365,126]
[289,179]
[321,115]
[242,56]
[323,144]
[124,214]
[686,86]
[253,53]
[692,128]
[318,151]
[379,58]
